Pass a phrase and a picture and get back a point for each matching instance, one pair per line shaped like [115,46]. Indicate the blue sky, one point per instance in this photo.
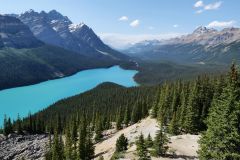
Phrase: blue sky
[133,20]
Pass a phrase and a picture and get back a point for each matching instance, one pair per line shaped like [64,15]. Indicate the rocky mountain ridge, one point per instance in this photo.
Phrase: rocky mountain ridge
[55,29]
[209,36]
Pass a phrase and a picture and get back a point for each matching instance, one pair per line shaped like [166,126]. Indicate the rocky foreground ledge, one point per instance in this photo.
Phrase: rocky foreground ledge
[17,147]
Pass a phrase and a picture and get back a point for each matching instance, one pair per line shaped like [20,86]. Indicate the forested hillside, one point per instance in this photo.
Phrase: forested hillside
[204,105]
[157,72]
[108,102]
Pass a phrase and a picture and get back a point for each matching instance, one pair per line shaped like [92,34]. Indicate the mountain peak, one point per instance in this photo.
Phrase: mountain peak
[203,30]
[55,15]
[54,12]
[30,11]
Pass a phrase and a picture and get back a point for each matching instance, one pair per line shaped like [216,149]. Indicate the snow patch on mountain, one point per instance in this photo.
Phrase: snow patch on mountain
[104,53]
[54,21]
[74,27]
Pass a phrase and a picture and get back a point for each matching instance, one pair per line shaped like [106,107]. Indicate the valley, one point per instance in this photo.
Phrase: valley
[132,83]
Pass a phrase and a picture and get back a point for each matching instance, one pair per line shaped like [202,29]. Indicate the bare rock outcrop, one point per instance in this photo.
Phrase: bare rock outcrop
[29,147]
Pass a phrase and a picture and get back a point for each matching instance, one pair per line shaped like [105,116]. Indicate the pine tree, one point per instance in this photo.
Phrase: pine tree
[176,98]
[108,124]
[74,136]
[183,109]
[10,127]
[89,146]
[30,123]
[98,131]
[126,116]
[19,125]
[154,109]
[149,141]
[144,112]
[61,148]
[222,138]
[206,96]
[82,139]
[59,124]
[121,144]
[173,127]
[7,126]
[142,149]
[164,105]
[48,155]
[68,144]
[136,112]
[85,144]
[191,118]
[58,147]
[160,143]
[119,120]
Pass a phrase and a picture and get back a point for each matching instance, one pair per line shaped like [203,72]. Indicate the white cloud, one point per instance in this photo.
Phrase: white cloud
[121,41]
[175,25]
[135,23]
[123,18]
[213,6]
[198,4]
[218,24]
[202,7]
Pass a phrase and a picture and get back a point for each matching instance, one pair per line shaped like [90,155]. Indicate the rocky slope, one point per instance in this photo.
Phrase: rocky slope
[30,147]
[13,33]
[183,146]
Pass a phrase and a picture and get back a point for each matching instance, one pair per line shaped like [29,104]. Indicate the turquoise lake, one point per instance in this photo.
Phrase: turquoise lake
[22,100]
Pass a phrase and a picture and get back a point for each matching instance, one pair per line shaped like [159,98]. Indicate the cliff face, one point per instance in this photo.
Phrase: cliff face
[15,34]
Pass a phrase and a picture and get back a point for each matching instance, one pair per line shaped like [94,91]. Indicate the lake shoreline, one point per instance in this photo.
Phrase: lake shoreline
[67,75]
[71,74]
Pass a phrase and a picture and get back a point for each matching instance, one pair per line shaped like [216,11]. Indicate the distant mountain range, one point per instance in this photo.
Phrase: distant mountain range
[202,46]
[35,47]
